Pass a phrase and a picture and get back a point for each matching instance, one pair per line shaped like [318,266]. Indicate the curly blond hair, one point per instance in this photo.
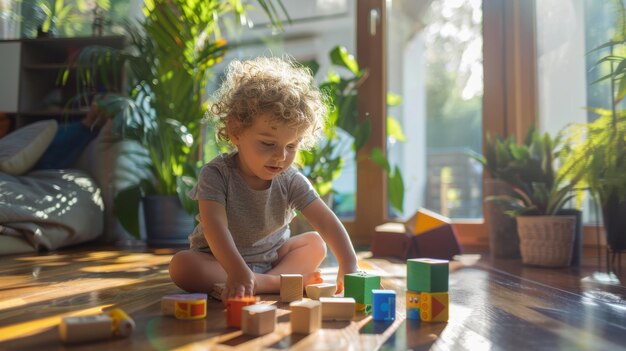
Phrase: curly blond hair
[280,88]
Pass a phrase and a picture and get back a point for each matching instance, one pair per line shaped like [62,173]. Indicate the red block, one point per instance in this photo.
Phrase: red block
[389,244]
[440,242]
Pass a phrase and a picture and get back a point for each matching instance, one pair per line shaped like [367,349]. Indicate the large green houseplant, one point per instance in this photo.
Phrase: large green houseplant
[598,148]
[167,62]
[541,192]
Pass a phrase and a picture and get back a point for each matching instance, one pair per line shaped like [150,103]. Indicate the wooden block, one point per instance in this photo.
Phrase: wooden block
[427,275]
[440,242]
[306,316]
[338,308]
[291,287]
[86,328]
[189,309]
[259,319]
[315,291]
[233,309]
[360,285]
[388,241]
[434,306]
[167,301]
[383,305]
[412,305]
[123,325]
[424,220]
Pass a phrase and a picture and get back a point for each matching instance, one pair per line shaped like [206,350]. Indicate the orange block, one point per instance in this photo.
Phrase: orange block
[233,309]
[424,220]
[434,306]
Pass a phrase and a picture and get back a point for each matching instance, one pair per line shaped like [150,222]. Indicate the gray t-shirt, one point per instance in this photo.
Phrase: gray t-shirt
[258,220]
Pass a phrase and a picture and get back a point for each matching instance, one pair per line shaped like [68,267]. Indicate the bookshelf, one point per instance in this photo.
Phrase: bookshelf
[31,74]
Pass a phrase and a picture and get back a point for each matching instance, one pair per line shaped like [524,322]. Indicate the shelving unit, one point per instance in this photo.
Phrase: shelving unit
[30,78]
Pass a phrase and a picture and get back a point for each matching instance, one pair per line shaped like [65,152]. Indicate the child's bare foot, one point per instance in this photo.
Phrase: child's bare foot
[312,278]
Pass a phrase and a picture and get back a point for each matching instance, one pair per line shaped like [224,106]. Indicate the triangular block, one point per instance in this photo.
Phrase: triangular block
[424,220]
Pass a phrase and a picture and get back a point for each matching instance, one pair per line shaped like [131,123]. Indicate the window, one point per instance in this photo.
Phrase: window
[434,62]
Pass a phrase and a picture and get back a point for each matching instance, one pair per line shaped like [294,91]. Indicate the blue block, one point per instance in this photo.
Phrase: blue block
[383,305]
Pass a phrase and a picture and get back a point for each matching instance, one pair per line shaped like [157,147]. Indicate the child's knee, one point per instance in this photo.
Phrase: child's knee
[317,245]
[180,266]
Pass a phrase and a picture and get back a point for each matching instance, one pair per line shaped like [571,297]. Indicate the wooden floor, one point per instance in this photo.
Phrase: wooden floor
[494,305]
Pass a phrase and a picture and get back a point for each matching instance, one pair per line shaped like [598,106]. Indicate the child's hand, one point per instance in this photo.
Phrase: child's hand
[239,284]
[344,270]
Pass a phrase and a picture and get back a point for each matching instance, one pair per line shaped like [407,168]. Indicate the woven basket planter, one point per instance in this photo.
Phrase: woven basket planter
[546,240]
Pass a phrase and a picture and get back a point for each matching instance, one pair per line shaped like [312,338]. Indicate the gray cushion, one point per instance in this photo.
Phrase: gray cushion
[20,150]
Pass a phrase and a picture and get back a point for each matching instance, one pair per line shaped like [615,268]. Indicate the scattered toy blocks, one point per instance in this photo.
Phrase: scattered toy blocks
[392,240]
[306,316]
[315,291]
[427,275]
[291,287]
[425,234]
[360,285]
[233,309]
[424,220]
[383,305]
[434,306]
[122,324]
[338,308]
[168,301]
[439,242]
[259,319]
[190,308]
[77,329]
[412,305]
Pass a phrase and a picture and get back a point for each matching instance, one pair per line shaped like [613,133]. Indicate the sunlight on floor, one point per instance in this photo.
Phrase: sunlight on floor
[36,326]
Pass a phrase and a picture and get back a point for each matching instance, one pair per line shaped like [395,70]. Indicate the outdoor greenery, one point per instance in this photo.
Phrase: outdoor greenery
[344,131]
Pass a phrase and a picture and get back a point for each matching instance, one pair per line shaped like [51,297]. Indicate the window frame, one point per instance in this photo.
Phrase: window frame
[509,100]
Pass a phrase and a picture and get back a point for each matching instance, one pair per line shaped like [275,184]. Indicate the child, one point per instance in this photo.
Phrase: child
[267,108]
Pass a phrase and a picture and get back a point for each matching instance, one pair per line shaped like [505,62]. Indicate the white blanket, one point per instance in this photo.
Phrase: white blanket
[50,208]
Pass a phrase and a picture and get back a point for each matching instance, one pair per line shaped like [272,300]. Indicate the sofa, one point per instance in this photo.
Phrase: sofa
[46,207]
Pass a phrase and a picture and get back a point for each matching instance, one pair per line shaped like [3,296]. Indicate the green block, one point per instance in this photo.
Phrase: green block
[427,275]
[359,286]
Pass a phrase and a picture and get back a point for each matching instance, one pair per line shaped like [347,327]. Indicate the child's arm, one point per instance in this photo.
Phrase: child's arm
[335,235]
[240,280]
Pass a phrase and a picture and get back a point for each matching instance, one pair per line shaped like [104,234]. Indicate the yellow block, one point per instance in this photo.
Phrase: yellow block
[424,220]
[434,306]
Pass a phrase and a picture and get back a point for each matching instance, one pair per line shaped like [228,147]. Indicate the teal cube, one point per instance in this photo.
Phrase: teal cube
[427,275]
[360,285]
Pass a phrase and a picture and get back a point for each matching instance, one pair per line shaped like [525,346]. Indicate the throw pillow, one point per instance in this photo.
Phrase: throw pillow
[23,147]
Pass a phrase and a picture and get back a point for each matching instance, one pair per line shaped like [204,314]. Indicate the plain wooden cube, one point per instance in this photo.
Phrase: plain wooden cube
[78,329]
[338,308]
[234,306]
[315,291]
[306,316]
[258,319]
[291,286]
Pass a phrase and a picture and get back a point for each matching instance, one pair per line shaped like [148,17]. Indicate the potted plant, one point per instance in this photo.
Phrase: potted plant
[548,232]
[167,61]
[501,155]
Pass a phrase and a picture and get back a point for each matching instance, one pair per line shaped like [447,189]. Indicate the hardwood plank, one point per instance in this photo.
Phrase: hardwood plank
[498,304]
